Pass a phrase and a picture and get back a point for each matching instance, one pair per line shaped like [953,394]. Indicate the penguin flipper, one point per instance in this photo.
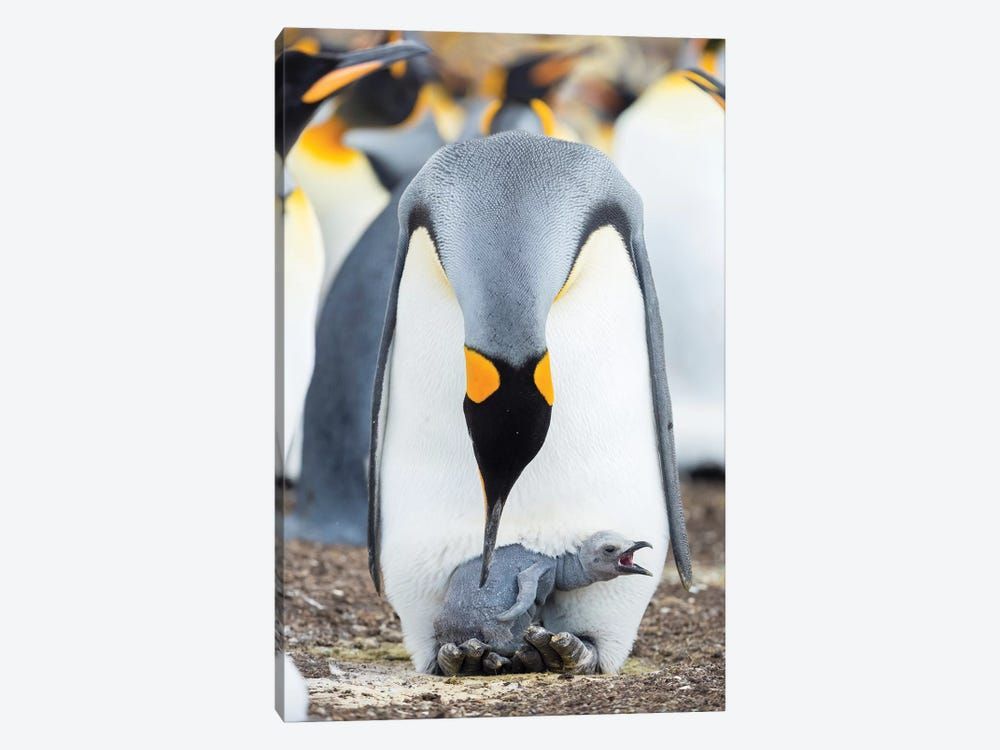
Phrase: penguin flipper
[661,407]
[527,589]
[380,402]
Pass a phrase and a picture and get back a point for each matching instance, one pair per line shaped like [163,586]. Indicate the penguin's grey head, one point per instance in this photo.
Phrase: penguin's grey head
[508,216]
[608,554]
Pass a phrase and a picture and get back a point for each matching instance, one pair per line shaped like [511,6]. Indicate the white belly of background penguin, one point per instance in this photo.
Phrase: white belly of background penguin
[513,248]
[670,145]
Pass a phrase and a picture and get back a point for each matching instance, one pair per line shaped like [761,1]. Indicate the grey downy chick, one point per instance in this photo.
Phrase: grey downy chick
[519,584]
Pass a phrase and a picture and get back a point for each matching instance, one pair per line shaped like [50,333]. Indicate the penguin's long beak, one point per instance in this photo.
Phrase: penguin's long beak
[626,566]
[507,411]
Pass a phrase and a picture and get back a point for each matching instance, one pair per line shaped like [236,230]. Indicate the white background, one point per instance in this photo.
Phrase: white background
[136,299]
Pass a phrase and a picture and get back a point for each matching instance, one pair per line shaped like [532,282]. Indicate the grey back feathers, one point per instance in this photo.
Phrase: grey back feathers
[508,215]
[471,611]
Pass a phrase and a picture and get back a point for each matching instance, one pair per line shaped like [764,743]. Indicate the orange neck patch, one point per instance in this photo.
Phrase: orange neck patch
[545,116]
[482,379]
[326,141]
[543,379]
[488,114]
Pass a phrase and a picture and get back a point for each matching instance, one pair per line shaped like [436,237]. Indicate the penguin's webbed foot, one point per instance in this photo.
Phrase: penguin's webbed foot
[464,659]
[563,652]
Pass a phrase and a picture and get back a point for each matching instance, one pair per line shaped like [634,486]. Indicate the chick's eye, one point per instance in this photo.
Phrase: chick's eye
[609,548]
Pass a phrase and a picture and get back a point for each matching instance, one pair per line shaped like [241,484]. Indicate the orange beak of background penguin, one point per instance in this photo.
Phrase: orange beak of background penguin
[507,410]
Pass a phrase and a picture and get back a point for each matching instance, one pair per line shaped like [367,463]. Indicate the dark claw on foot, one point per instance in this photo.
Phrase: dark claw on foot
[473,650]
[494,663]
[578,657]
[449,660]
[539,637]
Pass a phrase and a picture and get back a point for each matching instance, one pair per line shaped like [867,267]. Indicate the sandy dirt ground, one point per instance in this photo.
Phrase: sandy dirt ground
[348,645]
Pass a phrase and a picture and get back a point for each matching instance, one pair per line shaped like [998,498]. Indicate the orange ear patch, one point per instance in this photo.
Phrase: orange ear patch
[482,378]
[543,379]
[325,142]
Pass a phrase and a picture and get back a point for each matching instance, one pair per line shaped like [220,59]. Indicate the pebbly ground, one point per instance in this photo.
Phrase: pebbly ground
[347,643]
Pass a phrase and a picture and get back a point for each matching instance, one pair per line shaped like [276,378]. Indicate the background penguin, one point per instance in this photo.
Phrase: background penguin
[331,503]
[399,116]
[604,101]
[305,78]
[521,363]
[348,182]
[516,97]
[670,145]
[332,497]
[302,260]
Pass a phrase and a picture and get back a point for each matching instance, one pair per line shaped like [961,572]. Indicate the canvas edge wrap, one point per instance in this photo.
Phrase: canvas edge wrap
[279,407]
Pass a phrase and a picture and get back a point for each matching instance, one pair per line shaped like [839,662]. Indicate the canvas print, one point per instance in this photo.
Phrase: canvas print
[499,434]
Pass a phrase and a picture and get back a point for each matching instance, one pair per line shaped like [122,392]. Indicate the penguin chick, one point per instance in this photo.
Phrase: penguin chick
[497,614]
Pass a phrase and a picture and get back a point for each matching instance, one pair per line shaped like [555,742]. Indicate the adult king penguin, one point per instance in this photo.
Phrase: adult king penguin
[305,79]
[670,145]
[518,96]
[521,365]
[355,151]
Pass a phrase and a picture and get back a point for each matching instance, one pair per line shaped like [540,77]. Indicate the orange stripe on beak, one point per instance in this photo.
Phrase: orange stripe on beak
[337,79]
[551,69]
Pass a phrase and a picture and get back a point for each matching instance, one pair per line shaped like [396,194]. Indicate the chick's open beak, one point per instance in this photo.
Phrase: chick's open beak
[627,566]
